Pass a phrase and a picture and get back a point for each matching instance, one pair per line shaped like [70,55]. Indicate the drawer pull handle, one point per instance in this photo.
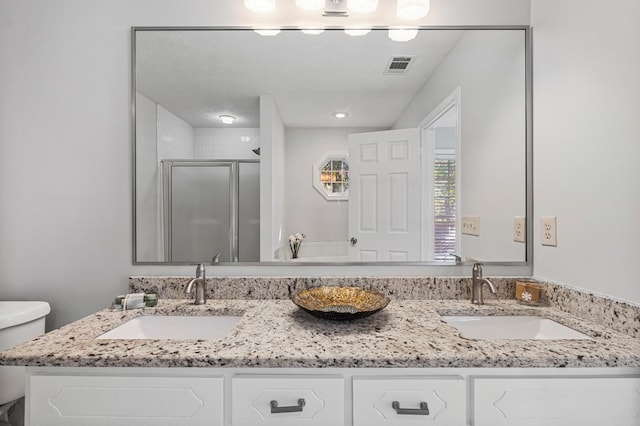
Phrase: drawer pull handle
[290,409]
[422,411]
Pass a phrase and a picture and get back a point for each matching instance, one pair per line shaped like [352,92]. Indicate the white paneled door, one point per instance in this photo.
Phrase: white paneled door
[384,196]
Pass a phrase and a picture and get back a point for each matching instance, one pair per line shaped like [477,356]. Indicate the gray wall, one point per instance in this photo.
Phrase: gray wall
[587,134]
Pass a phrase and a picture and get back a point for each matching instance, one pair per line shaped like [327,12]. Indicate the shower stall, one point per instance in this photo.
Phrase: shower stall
[211,208]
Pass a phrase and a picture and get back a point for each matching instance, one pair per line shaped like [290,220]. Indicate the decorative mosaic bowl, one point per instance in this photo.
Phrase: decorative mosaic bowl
[340,303]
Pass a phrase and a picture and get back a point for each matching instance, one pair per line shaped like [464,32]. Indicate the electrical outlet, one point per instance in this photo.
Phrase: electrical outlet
[548,231]
[519,229]
[471,225]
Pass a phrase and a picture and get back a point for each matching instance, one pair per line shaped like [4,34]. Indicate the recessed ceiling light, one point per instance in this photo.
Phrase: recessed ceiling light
[340,114]
[227,119]
[356,32]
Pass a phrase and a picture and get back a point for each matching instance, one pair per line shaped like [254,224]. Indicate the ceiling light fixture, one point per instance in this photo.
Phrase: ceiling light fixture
[227,119]
[267,32]
[310,5]
[362,6]
[340,114]
[313,31]
[412,9]
[260,6]
[357,32]
[402,34]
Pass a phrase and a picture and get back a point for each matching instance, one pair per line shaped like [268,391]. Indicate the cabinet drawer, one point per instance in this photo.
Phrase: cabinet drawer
[128,401]
[409,401]
[311,400]
[556,401]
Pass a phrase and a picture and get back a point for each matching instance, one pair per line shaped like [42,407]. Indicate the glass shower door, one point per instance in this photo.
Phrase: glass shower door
[200,222]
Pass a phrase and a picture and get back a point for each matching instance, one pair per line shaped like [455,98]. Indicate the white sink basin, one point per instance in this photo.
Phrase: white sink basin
[512,327]
[173,327]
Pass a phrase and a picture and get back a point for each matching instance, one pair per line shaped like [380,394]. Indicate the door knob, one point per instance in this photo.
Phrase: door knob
[353,241]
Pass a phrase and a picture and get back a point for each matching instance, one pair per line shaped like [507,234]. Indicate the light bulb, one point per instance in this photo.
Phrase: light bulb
[402,34]
[362,6]
[356,32]
[312,31]
[412,9]
[260,6]
[310,5]
[268,32]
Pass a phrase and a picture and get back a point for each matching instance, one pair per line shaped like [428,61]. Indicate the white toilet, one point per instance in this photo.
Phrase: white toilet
[19,323]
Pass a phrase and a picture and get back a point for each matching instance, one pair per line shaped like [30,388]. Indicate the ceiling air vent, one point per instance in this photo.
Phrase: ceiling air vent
[399,65]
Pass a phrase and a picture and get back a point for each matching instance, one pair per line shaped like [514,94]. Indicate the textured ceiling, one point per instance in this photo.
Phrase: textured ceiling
[200,74]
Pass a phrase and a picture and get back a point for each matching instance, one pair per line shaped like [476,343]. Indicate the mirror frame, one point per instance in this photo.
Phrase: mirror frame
[513,268]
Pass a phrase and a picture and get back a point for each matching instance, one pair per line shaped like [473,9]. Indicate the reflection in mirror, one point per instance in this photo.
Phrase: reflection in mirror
[331,175]
[231,128]
[218,199]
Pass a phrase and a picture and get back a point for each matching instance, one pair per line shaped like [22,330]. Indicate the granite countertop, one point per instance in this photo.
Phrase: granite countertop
[275,333]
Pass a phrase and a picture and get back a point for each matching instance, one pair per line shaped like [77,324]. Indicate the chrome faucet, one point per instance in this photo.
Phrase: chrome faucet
[476,285]
[200,281]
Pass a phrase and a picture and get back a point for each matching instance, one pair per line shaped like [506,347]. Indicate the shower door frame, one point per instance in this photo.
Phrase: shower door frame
[234,200]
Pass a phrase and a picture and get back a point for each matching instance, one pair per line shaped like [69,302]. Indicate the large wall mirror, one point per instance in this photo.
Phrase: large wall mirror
[420,140]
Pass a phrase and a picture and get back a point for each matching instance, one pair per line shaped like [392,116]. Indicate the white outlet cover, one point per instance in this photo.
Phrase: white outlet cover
[519,229]
[549,231]
[471,225]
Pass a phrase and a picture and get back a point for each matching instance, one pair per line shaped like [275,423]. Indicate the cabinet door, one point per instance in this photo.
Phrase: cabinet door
[124,401]
[298,400]
[409,401]
[557,401]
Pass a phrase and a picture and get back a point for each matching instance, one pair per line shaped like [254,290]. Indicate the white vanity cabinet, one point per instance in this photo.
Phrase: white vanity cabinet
[124,400]
[58,396]
[573,401]
[398,401]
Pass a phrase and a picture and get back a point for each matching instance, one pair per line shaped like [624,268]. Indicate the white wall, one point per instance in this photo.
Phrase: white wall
[489,68]
[147,183]
[65,138]
[272,179]
[175,137]
[587,142]
[226,144]
[161,135]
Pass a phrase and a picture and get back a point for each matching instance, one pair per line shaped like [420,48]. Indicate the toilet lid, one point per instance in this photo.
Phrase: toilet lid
[16,313]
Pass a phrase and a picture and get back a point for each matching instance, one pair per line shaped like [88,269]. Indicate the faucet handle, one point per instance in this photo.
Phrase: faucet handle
[200,270]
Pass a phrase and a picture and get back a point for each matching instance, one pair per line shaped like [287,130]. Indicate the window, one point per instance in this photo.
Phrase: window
[331,176]
[444,205]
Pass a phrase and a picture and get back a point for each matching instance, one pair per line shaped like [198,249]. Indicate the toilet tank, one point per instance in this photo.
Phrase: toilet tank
[19,323]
